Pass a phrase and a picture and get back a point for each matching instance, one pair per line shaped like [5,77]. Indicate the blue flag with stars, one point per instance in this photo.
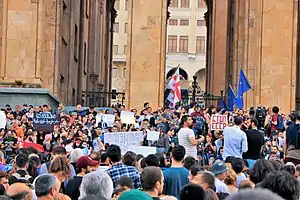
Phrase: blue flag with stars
[231,98]
[222,103]
[243,87]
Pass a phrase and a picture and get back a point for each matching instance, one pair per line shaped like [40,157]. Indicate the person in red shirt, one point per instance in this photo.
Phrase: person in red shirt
[274,118]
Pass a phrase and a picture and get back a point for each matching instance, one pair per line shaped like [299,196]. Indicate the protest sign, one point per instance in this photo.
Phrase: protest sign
[2,119]
[127,117]
[145,151]
[218,122]
[45,121]
[153,135]
[105,119]
[124,139]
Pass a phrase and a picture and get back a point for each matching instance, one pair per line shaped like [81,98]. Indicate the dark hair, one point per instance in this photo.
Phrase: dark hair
[288,168]
[192,192]
[125,181]
[237,121]
[276,164]
[23,151]
[3,174]
[114,153]
[34,162]
[189,162]
[260,194]
[161,158]
[229,159]
[208,178]
[152,160]
[260,169]
[139,156]
[149,178]
[282,183]
[255,121]
[195,169]
[129,158]
[22,160]
[103,157]
[59,151]
[237,165]
[275,110]
[184,118]
[143,163]
[178,153]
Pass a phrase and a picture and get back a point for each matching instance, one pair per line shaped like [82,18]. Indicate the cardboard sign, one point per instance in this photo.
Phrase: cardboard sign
[45,121]
[153,135]
[218,122]
[105,119]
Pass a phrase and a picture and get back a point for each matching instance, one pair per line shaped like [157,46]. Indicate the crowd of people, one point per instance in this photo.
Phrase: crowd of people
[252,157]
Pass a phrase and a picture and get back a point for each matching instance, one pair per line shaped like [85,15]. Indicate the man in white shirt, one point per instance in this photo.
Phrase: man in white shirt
[220,170]
[186,137]
[235,140]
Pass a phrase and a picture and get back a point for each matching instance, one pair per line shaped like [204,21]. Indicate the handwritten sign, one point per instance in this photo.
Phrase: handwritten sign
[124,139]
[145,151]
[105,119]
[45,121]
[218,122]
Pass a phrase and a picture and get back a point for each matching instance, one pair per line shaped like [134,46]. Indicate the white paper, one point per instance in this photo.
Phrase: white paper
[2,119]
[218,122]
[145,151]
[127,117]
[153,135]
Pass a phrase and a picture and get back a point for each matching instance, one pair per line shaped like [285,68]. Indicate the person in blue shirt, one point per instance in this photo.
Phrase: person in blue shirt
[176,176]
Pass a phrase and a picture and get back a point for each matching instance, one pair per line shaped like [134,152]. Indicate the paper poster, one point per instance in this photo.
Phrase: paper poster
[124,139]
[106,120]
[127,117]
[2,119]
[145,151]
[153,135]
[218,122]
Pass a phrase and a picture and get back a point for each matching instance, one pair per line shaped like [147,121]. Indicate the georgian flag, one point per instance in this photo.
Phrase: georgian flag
[175,94]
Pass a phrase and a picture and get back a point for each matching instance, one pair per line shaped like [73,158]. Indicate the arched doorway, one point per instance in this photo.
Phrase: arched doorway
[182,72]
[201,79]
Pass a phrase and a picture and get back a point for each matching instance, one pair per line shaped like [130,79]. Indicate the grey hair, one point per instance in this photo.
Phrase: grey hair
[43,184]
[75,154]
[262,194]
[96,183]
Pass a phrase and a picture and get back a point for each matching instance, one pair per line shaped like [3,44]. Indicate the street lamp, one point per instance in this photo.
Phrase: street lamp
[194,86]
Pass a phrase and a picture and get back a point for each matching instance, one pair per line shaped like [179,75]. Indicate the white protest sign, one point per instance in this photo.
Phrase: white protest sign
[127,117]
[153,135]
[145,151]
[105,118]
[218,122]
[2,119]
[124,139]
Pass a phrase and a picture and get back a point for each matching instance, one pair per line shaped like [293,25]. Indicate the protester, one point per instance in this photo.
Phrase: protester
[19,191]
[152,181]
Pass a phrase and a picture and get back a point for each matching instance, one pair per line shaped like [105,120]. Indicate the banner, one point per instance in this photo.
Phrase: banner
[105,119]
[45,121]
[124,139]
[145,151]
[218,122]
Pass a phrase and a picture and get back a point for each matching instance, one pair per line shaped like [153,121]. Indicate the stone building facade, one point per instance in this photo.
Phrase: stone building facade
[62,45]
[262,38]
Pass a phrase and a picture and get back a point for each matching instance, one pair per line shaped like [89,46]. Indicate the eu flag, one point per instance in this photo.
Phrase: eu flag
[243,87]
[222,103]
[231,98]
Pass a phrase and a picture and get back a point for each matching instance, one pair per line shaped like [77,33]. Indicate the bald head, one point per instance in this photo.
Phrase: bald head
[19,191]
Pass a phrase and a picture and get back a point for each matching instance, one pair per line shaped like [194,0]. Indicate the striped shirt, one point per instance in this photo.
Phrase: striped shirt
[184,136]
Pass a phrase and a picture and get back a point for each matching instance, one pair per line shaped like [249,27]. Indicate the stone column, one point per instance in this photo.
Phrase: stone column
[146,53]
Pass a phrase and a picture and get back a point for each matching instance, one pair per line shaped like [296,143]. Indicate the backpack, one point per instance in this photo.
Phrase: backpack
[22,179]
[280,124]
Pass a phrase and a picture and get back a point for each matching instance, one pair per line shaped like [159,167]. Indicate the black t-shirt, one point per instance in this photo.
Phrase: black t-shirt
[72,188]
[8,141]
[255,142]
